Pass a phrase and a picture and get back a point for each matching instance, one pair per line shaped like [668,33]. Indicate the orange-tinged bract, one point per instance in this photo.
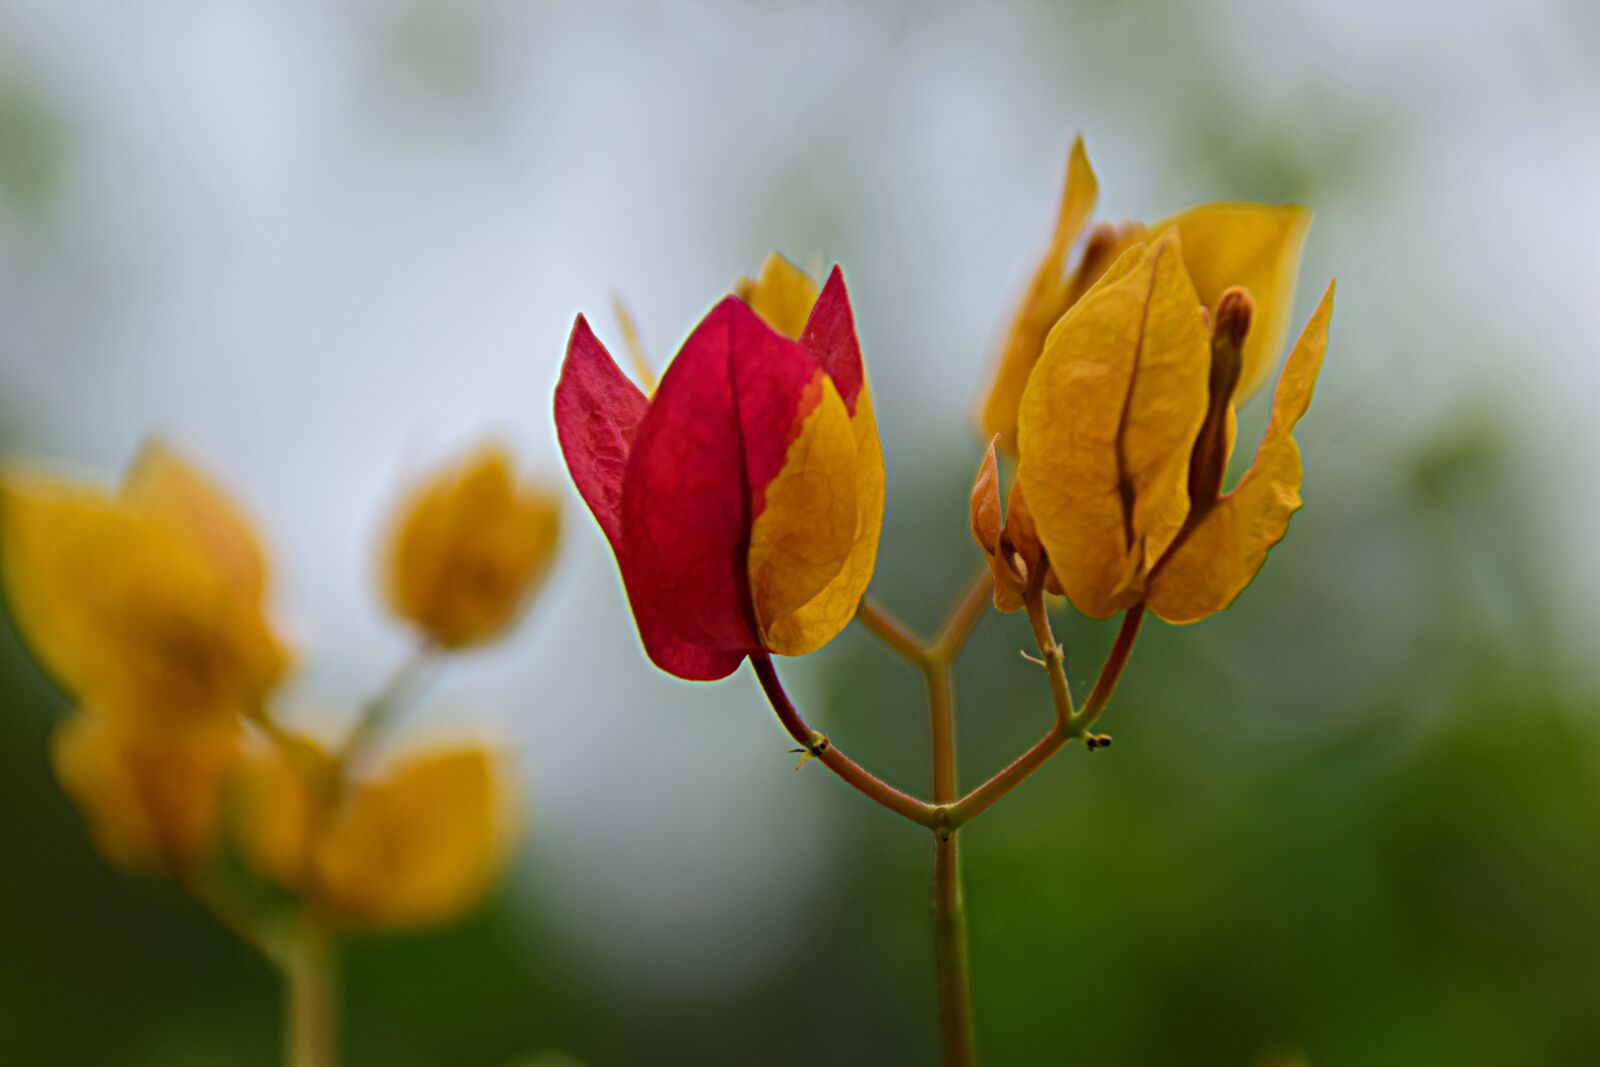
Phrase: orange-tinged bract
[1125,428]
[1015,555]
[469,548]
[1254,246]
[149,601]
[744,498]
[417,842]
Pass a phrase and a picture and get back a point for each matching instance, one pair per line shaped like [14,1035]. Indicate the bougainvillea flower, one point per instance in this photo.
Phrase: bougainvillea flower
[1254,246]
[417,842]
[152,798]
[1125,430]
[468,549]
[147,601]
[1011,543]
[744,499]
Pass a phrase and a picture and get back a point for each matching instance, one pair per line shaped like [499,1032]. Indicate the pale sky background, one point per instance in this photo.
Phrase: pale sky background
[323,247]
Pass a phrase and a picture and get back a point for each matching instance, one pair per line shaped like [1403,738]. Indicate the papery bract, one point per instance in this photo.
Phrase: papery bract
[1119,428]
[744,499]
[1254,246]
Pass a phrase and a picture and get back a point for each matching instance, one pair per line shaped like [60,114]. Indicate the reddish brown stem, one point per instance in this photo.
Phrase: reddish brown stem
[826,753]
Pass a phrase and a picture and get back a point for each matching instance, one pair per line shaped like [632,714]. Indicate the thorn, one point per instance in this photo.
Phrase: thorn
[1035,660]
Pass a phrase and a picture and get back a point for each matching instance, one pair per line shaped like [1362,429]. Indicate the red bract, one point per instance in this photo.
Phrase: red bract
[743,501]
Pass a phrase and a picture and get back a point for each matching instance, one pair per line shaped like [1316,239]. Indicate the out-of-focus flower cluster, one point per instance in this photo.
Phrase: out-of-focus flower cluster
[149,606]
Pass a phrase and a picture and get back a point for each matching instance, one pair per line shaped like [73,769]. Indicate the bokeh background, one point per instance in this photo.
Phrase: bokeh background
[1355,820]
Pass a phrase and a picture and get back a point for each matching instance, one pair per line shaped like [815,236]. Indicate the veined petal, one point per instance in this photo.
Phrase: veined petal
[597,413]
[1213,563]
[685,499]
[781,293]
[1256,246]
[1046,300]
[830,337]
[805,523]
[1107,422]
[421,844]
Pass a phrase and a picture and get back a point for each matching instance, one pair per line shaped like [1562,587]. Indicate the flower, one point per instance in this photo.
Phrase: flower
[149,602]
[468,549]
[1256,246]
[744,499]
[417,842]
[1125,429]
[152,798]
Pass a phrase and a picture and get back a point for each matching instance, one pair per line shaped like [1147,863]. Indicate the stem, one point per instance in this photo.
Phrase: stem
[1106,684]
[311,986]
[975,599]
[377,711]
[949,913]
[1067,725]
[891,631]
[824,751]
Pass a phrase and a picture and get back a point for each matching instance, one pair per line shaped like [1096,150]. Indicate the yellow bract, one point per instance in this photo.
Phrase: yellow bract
[1109,431]
[149,602]
[418,842]
[1256,246]
[781,293]
[468,549]
[152,798]
[806,529]
[1227,545]
[1106,425]
[826,504]
[1050,292]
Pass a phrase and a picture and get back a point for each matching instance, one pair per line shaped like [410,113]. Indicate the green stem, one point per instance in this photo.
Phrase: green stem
[1068,726]
[310,976]
[949,911]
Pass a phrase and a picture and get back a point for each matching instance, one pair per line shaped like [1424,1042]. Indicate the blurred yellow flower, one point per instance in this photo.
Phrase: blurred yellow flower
[418,842]
[152,798]
[149,601]
[468,549]
[1125,431]
[1256,246]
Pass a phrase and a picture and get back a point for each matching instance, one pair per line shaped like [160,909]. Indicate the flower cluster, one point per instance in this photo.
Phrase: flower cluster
[148,606]
[744,498]
[1117,389]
